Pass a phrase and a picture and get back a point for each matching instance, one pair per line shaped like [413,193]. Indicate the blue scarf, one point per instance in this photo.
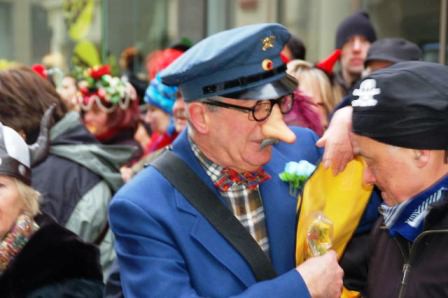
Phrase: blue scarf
[407,219]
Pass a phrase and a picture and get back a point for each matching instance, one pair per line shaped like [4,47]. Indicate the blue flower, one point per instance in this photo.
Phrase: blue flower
[296,173]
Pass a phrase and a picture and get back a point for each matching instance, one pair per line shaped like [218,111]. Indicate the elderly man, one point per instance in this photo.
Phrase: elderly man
[400,128]
[353,36]
[242,242]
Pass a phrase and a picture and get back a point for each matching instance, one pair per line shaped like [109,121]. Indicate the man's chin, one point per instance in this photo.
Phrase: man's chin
[388,200]
[258,162]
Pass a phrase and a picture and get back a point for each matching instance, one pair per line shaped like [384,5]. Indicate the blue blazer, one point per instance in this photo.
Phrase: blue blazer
[166,248]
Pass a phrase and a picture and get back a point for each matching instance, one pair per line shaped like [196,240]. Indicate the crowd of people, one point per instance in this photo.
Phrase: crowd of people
[191,181]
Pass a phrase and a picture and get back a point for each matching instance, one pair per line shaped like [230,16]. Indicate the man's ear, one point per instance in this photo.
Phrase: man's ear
[198,117]
[421,157]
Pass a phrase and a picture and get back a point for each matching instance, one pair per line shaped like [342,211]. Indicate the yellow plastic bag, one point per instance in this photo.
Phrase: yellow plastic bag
[342,199]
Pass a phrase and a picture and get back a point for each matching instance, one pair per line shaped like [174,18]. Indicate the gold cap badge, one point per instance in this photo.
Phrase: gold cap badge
[268,42]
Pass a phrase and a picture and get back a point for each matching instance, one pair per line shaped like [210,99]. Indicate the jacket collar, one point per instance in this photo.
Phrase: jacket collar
[437,218]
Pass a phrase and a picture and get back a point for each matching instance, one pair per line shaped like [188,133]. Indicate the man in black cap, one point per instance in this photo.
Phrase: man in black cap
[353,36]
[211,217]
[400,127]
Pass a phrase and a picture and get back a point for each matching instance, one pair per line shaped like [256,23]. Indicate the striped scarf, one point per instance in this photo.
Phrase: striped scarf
[407,219]
[15,239]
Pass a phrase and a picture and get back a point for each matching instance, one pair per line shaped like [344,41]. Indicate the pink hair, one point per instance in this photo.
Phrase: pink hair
[304,113]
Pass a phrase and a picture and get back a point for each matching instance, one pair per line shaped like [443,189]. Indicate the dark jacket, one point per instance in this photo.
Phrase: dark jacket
[346,88]
[399,268]
[53,263]
[77,181]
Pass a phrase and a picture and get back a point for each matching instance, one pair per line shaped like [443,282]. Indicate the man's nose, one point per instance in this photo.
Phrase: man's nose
[357,44]
[275,128]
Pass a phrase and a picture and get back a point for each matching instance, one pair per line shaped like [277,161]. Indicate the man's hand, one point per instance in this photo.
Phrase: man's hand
[322,276]
[336,141]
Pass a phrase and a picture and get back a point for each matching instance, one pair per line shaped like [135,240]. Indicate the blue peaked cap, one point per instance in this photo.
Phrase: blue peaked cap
[239,63]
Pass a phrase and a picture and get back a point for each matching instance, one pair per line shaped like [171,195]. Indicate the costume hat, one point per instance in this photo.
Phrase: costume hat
[241,63]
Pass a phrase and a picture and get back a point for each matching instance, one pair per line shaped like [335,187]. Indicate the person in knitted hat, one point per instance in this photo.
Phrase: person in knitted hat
[400,129]
[160,99]
[353,36]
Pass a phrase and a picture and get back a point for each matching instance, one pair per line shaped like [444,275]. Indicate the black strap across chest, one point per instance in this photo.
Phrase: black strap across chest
[182,177]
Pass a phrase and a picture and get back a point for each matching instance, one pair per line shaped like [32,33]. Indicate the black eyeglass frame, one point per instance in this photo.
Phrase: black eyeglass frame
[252,110]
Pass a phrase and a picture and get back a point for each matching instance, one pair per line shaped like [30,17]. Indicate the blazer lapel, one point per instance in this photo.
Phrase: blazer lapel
[280,215]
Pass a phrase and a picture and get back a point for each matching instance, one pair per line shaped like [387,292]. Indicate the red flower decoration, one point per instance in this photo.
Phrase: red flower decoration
[40,70]
[97,72]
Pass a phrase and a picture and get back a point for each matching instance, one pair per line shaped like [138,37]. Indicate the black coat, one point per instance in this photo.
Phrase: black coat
[53,263]
[383,266]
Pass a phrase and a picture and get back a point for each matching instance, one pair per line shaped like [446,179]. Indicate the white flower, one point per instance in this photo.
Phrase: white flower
[301,168]
[296,173]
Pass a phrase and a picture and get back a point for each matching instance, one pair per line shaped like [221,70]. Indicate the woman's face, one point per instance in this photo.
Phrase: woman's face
[95,120]
[312,90]
[11,205]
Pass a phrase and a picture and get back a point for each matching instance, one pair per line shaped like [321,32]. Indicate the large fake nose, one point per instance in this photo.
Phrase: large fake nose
[275,128]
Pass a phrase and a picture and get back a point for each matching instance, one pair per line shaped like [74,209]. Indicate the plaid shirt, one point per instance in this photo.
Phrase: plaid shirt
[245,204]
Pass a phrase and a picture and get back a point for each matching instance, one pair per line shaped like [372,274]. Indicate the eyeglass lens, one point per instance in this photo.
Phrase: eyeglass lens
[263,109]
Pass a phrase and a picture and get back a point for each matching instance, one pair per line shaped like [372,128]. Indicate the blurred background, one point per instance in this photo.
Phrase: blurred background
[63,33]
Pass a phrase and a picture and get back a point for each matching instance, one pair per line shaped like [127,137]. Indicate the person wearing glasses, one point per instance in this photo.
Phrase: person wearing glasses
[236,143]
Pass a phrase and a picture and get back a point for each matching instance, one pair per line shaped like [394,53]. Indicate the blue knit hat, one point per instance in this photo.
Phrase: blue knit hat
[161,95]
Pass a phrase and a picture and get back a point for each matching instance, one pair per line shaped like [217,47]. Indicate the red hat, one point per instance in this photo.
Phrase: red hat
[159,60]
[328,63]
